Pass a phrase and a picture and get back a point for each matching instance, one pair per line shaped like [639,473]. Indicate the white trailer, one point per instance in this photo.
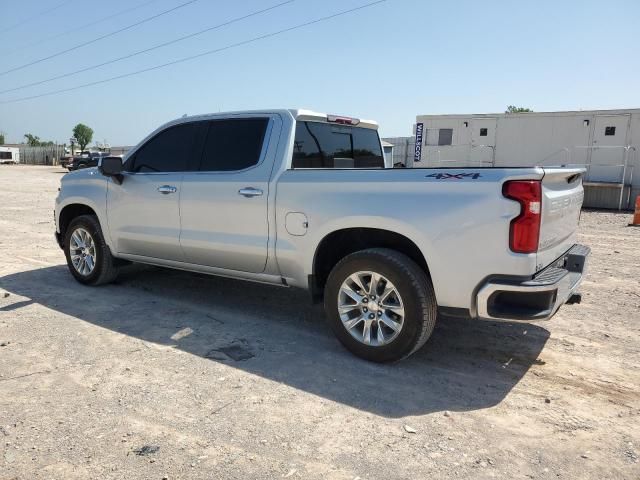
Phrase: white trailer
[606,142]
[9,155]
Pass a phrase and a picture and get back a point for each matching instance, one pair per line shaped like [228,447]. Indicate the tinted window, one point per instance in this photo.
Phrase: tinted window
[326,145]
[233,144]
[166,152]
[483,132]
[5,156]
[609,131]
[445,136]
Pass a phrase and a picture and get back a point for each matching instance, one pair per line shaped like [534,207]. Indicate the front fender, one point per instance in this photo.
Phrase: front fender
[84,187]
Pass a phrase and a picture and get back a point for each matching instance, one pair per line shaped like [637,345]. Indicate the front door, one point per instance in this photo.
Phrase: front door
[608,153]
[144,215]
[224,204]
[144,211]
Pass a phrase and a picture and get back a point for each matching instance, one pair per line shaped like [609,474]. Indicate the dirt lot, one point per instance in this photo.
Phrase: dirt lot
[173,375]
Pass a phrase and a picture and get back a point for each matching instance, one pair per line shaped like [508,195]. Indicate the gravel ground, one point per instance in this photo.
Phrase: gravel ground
[173,375]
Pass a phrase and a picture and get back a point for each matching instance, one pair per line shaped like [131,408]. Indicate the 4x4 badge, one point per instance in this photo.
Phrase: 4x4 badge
[454,176]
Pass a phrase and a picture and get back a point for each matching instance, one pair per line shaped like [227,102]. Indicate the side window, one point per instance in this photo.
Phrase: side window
[168,151]
[483,132]
[431,138]
[233,144]
[325,145]
[445,136]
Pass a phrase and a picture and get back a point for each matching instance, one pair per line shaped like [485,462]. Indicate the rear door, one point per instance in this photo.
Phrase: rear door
[562,195]
[143,212]
[224,201]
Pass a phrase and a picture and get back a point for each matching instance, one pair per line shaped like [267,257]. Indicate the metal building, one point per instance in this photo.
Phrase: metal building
[403,150]
[387,149]
[606,142]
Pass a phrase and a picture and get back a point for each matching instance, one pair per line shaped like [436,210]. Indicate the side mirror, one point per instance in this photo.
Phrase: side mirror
[111,167]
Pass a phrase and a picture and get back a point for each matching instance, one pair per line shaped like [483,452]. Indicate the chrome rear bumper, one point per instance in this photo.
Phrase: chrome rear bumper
[538,298]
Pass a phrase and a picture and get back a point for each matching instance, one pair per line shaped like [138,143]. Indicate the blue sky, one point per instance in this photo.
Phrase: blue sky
[389,62]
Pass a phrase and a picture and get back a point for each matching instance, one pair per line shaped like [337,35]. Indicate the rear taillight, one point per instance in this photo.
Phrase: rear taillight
[524,231]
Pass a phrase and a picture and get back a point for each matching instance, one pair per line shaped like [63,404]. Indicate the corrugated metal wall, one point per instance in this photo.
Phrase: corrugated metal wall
[119,150]
[49,155]
[403,150]
[608,197]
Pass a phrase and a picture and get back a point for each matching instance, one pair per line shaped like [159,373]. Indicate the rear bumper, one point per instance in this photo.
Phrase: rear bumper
[537,298]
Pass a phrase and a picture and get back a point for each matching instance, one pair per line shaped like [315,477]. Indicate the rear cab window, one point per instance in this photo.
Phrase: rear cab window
[329,145]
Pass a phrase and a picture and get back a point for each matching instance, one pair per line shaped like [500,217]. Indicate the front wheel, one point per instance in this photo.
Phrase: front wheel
[88,256]
[380,304]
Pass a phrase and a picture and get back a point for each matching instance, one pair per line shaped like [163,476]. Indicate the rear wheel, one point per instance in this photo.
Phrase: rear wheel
[380,304]
[88,256]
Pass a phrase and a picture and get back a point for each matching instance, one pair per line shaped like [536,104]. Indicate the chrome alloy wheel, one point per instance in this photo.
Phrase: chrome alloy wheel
[370,308]
[82,250]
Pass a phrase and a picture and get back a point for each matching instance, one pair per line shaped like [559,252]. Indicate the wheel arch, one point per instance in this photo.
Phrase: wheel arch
[339,243]
[71,211]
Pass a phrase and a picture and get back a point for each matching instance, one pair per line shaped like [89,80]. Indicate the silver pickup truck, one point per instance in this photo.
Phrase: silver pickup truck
[301,199]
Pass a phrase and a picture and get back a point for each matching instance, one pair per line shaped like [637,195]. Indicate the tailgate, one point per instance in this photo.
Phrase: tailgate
[562,195]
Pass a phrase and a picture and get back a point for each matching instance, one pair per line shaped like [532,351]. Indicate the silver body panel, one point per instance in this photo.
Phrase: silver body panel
[458,218]
[225,215]
[562,195]
[142,219]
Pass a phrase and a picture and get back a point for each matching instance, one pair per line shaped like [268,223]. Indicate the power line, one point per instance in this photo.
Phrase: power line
[128,27]
[81,27]
[155,47]
[192,57]
[33,17]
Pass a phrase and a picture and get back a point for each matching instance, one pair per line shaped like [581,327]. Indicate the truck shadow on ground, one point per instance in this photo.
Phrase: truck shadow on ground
[276,333]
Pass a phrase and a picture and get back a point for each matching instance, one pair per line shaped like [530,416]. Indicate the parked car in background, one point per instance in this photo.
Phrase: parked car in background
[303,199]
[85,161]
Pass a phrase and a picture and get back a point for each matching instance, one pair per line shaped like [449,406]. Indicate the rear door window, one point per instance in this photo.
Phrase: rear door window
[233,144]
[168,151]
[326,145]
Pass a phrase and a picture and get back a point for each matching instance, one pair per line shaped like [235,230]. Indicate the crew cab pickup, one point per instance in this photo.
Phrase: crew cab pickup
[301,199]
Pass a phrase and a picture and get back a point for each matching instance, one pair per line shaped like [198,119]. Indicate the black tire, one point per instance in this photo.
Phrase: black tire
[106,268]
[413,285]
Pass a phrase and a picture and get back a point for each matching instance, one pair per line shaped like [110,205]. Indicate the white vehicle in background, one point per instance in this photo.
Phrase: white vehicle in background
[9,155]
[302,199]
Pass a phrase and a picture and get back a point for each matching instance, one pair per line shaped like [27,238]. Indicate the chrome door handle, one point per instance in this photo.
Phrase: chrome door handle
[250,192]
[167,189]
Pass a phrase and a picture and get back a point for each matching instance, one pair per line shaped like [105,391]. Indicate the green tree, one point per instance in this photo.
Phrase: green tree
[1,138]
[514,109]
[83,135]
[32,140]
